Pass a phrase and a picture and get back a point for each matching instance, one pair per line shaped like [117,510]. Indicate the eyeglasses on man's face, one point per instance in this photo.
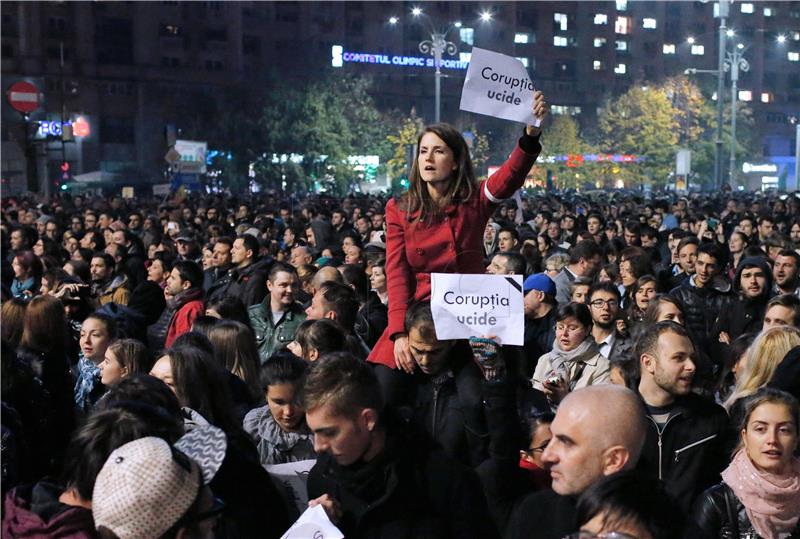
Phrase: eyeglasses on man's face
[600,303]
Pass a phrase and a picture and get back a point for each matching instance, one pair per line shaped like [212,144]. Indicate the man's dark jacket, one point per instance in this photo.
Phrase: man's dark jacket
[543,515]
[412,490]
[249,284]
[451,410]
[701,307]
[689,453]
[746,315]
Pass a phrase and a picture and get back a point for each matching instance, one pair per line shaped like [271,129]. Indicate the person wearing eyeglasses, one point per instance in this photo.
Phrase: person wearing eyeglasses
[575,360]
[614,508]
[604,300]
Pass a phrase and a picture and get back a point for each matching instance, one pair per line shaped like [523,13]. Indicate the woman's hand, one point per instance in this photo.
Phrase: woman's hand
[555,392]
[540,111]
[402,355]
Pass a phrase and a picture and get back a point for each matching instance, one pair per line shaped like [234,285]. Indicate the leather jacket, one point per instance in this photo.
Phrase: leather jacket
[720,514]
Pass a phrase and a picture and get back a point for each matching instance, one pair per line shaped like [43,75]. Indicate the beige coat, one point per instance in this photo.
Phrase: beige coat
[595,371]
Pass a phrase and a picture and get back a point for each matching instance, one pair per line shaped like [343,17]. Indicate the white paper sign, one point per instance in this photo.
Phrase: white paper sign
[313,524]
[291,479]
[498,85]
[466,306]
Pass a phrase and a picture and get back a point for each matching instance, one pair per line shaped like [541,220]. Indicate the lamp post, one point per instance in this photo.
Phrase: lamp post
[734,62]
[436,46]
[724,6]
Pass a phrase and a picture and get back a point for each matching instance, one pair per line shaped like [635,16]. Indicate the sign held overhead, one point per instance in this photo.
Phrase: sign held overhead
[498,85]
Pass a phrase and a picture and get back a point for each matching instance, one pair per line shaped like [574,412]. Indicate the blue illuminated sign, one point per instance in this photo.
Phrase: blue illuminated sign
[339,56]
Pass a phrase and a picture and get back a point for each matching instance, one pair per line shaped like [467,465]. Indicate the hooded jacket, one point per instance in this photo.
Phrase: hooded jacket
[745,314]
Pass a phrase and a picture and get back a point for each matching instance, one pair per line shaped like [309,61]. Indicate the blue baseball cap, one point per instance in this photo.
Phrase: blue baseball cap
[540,282]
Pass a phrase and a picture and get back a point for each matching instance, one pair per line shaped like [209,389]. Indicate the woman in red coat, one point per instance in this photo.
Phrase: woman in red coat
[437,225]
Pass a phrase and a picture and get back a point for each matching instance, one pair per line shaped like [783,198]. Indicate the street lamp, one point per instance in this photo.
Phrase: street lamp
[734,62]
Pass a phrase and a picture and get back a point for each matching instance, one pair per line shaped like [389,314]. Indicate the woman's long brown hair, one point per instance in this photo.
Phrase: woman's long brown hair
[462,181]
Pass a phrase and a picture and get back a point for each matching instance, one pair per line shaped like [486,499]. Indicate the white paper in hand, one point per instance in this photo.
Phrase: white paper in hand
[313,524]
[498,85]
[465,306]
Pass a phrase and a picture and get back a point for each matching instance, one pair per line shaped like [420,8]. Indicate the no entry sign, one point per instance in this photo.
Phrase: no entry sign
[23,97]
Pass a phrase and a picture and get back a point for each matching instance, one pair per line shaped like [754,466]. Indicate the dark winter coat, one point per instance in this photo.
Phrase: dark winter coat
[249,284]
[412,490]
[449,407]
[689,453]
[371,320]
[701,307]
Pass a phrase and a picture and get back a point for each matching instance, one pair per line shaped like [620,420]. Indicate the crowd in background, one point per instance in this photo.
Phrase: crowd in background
[135,322]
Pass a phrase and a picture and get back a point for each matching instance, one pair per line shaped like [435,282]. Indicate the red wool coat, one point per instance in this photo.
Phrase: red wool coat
[451,244]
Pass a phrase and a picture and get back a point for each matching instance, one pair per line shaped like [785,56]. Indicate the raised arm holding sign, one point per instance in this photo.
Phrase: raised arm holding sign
[437,225]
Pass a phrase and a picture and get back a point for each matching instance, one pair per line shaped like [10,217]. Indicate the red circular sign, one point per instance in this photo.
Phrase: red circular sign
[23,96]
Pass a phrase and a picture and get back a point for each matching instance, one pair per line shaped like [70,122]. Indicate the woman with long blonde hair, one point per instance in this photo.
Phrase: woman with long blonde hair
[760,361]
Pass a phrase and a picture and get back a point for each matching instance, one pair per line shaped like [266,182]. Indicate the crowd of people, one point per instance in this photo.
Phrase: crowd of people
[158,355]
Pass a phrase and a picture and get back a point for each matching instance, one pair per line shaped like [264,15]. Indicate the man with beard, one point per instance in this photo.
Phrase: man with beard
[107,285]
[604,301]
[685,444]
[787,273]
[745,314]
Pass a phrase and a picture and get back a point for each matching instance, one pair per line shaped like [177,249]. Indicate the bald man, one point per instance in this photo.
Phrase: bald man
[598,431]
[325,274]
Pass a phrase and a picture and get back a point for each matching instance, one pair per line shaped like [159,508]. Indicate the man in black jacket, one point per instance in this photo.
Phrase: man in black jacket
[598,431]
[745,314]
[703,296]
[445,397]
[373,477]
[686,433]
[248,277]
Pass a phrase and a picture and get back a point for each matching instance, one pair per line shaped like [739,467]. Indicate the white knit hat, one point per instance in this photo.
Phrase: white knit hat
[146,486]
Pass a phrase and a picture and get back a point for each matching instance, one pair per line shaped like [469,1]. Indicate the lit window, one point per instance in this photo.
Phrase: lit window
[794,56]
[747,7]
[464,57]
[766,97]
[648,23]
[745,95]
[561,20]
[698,50]
[620,69]
[769,12]
[669,48]
[600,18]
[520,38]
[564,109]
[467,35]
[597,65]
[559,41]
[523,60]
[622,45]
[796,36]
[622,5]
[599,42]
[622,25]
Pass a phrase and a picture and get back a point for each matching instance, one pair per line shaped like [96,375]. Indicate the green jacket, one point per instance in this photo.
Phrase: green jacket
[271,337]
